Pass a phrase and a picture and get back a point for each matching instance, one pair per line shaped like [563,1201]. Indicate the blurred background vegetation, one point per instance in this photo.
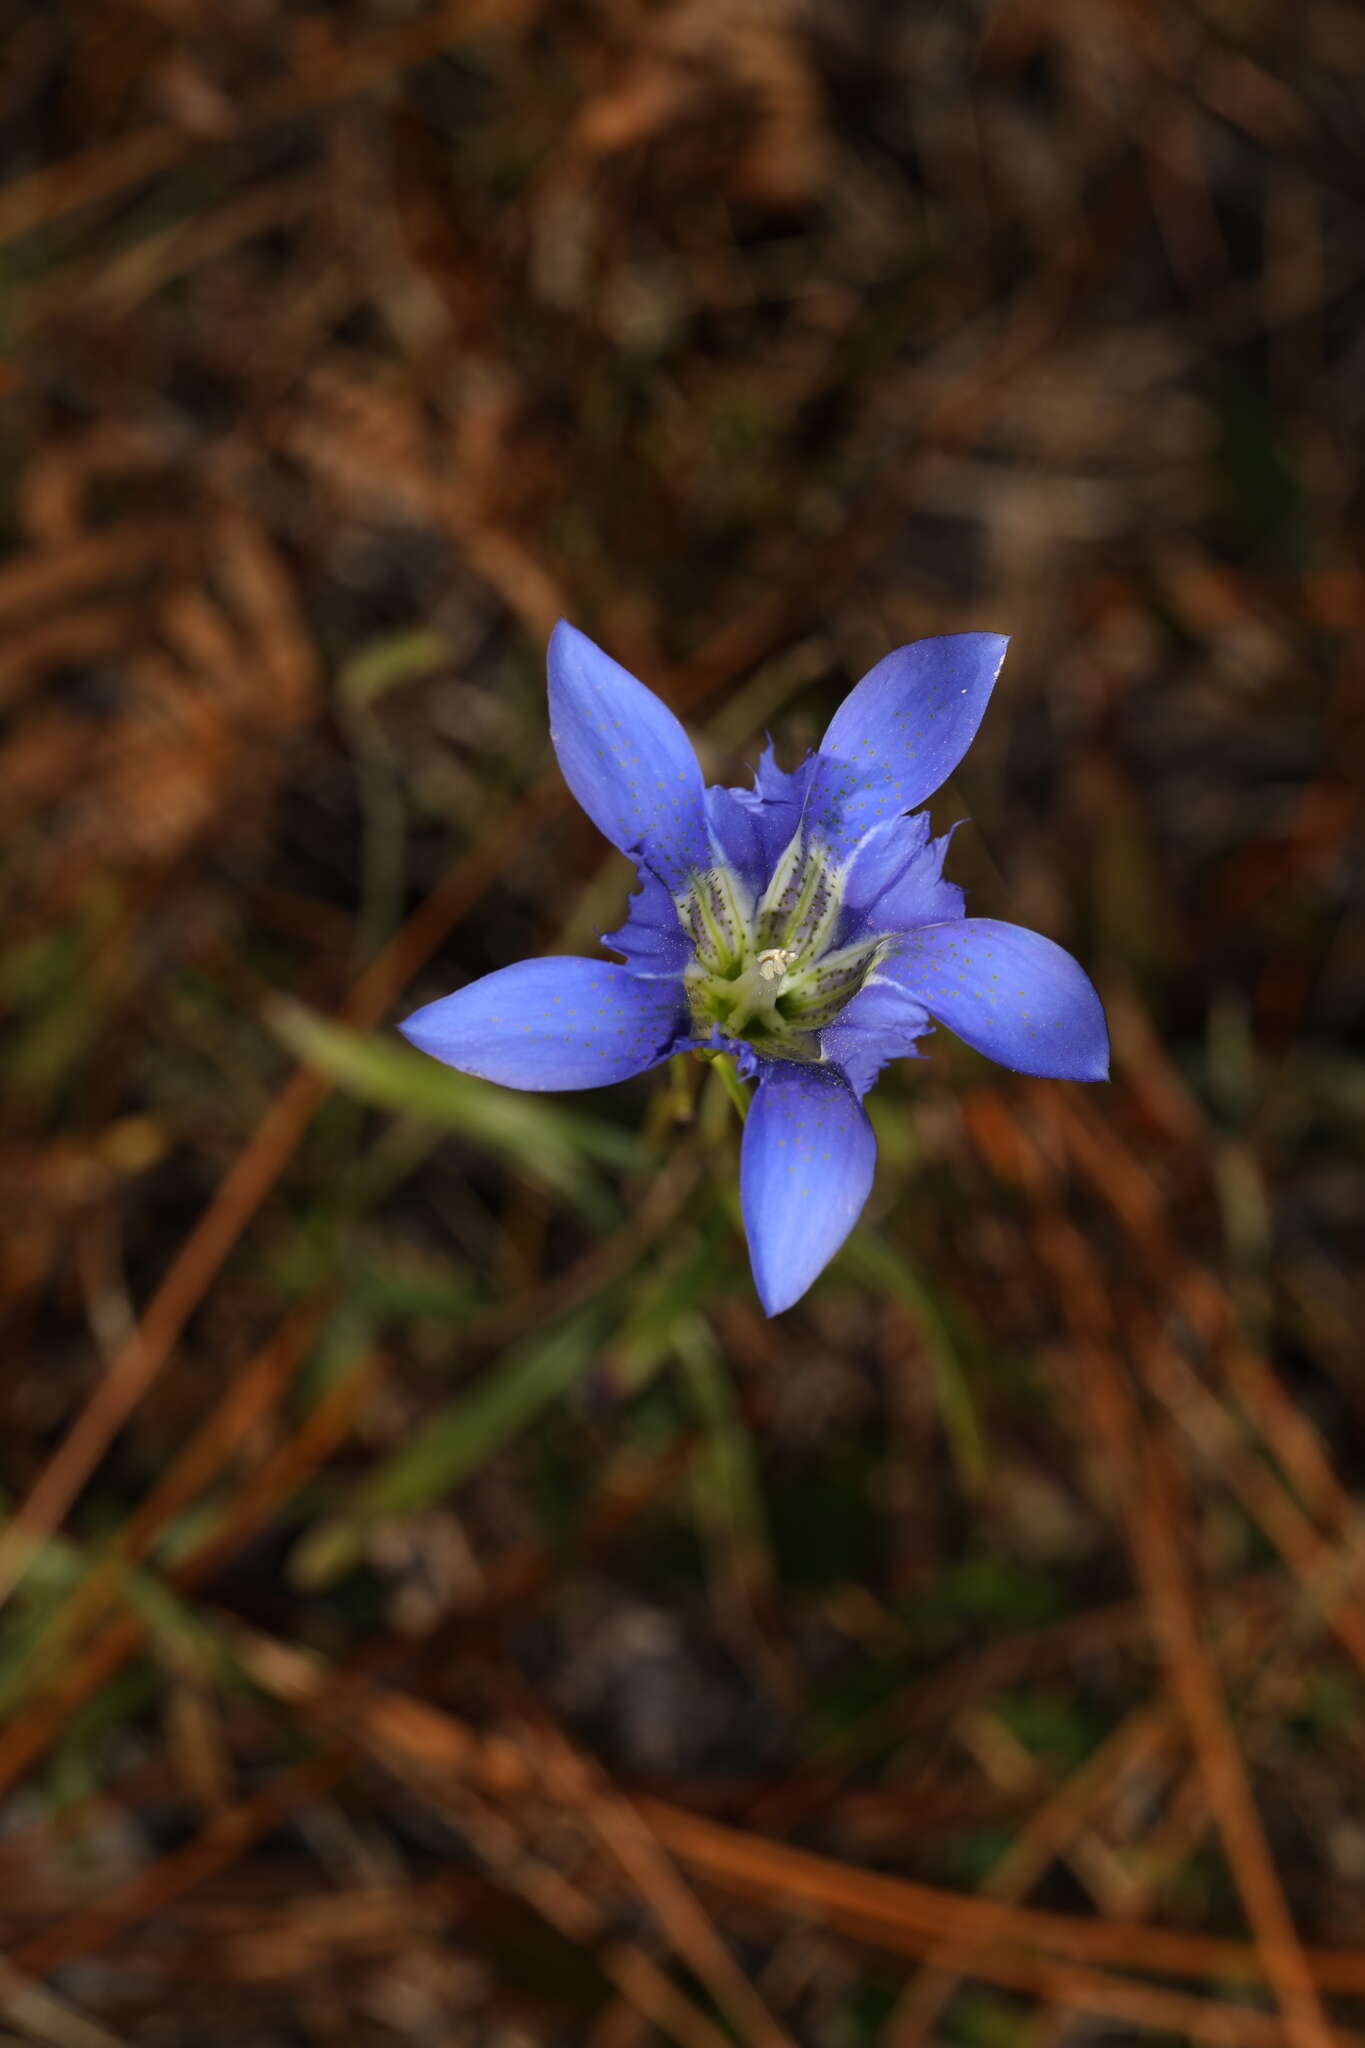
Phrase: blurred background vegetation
[438,1607]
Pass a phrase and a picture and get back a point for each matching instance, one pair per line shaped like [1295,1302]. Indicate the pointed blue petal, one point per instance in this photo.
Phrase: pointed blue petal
[895,877]
[805,1171]
[883,1022]
[560,1023]
[901,733]
[626,758]
[1010,993]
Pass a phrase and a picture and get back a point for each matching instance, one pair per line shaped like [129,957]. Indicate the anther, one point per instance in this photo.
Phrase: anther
[773,963]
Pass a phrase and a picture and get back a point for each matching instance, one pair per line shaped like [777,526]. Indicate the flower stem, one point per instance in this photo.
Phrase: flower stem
[724,1066]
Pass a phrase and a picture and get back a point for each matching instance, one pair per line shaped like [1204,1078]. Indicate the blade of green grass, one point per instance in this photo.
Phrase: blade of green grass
[455,1443]
[728,1498]
[872,1260]
[554,1148]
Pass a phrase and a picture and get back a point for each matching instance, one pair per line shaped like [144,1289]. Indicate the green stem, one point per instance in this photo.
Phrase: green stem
[724,1065]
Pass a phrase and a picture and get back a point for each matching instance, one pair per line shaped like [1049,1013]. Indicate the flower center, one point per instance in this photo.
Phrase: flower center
[769,972]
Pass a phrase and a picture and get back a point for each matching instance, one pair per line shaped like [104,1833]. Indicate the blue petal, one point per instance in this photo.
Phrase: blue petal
[883,1022]
[805,1171]
[1009,992]
[626,758]
[653,941]
[901,732]
[895,877]
[559,1023]
[753,827]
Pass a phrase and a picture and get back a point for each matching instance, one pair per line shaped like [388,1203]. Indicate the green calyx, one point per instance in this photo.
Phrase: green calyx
[767,972]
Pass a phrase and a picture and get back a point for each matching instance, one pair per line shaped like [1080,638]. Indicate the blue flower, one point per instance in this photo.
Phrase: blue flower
[802,926]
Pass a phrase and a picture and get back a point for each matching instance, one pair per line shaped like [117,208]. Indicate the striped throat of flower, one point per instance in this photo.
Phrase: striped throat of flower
[769,972]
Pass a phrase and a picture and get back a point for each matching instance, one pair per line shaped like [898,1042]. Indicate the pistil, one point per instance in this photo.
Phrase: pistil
[751,997]
[765,972]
